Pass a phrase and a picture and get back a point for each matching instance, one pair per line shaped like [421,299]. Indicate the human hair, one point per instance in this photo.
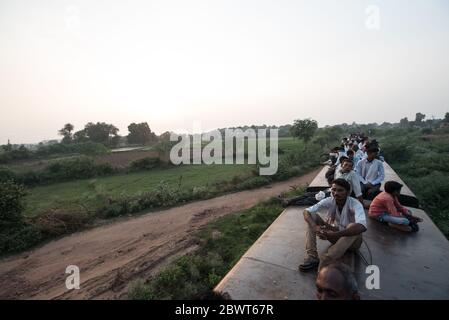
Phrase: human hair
[347,160]
[342,183]
[392,186]
[372,150]
[355,148]
[349,283]
[350,152]
[343,158]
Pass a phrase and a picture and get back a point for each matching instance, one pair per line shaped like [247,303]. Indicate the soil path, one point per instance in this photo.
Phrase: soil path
[111,256]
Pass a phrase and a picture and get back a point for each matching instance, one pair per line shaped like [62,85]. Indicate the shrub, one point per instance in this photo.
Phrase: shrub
[426,130]
[87,148]
[18,237]
[104,169]
[76,168]
[396,150]
[59,222]
[163,195]
[15,233]
[11,204]
[30,178]
[254,182]
[144,164]
[70,169]
[7,175]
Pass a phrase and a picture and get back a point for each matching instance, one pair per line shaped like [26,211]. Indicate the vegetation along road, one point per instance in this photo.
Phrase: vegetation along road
[111,256]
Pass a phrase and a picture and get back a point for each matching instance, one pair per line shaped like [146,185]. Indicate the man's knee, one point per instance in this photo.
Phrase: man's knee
[325,259]
[350,225]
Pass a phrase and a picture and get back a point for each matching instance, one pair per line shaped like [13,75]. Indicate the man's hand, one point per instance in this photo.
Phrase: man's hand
[332,236]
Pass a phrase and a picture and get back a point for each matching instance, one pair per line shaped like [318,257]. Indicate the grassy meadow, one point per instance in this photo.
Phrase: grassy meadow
[69,195]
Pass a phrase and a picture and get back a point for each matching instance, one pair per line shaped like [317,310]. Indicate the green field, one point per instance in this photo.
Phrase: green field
[72,194]
[68,194]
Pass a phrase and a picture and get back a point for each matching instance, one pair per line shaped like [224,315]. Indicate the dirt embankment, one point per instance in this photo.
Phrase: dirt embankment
[111,256]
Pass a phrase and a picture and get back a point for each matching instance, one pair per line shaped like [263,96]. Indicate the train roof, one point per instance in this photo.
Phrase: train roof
[411,265]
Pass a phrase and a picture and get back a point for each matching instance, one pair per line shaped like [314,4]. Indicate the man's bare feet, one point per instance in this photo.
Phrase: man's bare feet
[400,227]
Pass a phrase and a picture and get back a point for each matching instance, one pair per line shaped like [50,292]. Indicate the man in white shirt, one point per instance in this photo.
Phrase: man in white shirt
[358,154]
[371,173]
[343,227]
[346,172]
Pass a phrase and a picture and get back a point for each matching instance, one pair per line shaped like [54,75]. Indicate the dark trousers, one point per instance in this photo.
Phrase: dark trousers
[370,193]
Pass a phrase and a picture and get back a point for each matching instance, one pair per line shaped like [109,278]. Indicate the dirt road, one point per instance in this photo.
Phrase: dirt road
[111,256]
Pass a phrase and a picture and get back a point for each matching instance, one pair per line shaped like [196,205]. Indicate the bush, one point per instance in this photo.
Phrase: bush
[70,169]
[254,182]
[30,178]
[193,276]
[426,130]
[76,168]
[104,169]
[60,222]
[11,204]
[7,175]
[396,150]
[21,153]
[15,233]
[86,148]
[144,164]
[163,195]
[18,237]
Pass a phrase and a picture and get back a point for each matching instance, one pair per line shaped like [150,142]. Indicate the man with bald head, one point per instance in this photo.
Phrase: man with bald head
[336,282]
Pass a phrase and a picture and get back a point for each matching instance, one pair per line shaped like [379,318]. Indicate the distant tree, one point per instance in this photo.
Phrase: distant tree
[80,136]
[446,117]
[100,132]
[7,147]
[140,133]
[403,123]
[419,118]
[165,136]
[304,129]
[66,132]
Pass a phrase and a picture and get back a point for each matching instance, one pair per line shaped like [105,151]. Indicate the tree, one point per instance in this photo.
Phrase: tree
[419,118]
[304,129]
[66,132]
[80,136]
[446,117]
[140,133]
[7,147]
[165,136]
[100,132]
[403,123]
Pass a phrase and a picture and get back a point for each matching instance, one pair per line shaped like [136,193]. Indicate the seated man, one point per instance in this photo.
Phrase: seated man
[333,155]
[358,155]
[371,173]
[336,282]
[386,208]
[344,226]
[346,172]
[351,156]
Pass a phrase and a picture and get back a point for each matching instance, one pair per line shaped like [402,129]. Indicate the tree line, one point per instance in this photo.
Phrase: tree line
[107,134]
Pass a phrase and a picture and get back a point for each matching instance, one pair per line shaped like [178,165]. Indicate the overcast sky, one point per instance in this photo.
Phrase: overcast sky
[218,63]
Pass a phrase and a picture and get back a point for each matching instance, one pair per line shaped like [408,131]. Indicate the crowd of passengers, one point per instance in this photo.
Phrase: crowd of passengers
[356,173]
[355,177]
